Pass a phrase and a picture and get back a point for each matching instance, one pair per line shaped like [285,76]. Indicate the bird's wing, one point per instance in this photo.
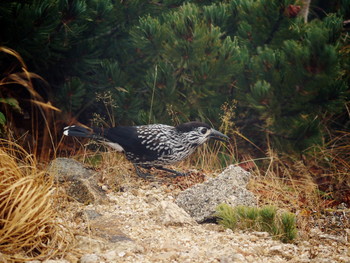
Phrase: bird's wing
[132,141]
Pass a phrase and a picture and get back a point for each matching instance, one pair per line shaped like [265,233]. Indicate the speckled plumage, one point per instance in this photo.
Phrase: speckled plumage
[152,145]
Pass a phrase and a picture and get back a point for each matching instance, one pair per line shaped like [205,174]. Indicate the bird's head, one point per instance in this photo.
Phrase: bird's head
[198,133]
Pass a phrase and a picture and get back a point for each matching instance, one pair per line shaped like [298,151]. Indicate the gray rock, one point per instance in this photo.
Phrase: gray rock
[91,214]
[106,227]
[66,169]
[201,200]
[79,182]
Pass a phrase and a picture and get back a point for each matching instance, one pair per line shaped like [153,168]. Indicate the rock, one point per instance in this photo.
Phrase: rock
[107,228]
[109,251]
[201,200]
[340,239]
[170,256]
[110,256]
[71,257]
[80,191]
[87,243]
[55,261]
[171,214]
[80,183]
[237,258]
[261,234]
[90,258]
[285,250]
[66,169]
[91,214]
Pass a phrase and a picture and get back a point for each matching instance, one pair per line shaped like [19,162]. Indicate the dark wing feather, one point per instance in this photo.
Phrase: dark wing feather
[129,139]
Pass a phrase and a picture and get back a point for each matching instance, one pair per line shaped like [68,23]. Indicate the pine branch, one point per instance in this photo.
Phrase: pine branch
[275,27]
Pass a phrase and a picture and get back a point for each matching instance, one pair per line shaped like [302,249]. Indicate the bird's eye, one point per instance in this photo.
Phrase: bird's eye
[204,130]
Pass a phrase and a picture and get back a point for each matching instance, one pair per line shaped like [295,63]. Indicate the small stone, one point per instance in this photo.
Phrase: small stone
[86,243]
[276,249]
[55,261]
[333,237]
[322,260]
[261,234]
[107,228]
[237,258]
[250,259]
[90,258]
[285,250]
[121,254]
[71,258]
[229,231]
[315,232]
[92,214]
[110,256]
[171,214]
[164,257]
[344,259]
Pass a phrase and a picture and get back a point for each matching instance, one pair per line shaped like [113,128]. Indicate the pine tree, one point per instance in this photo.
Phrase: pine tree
[284,73]
[75,45]
[292,81]
[187,60]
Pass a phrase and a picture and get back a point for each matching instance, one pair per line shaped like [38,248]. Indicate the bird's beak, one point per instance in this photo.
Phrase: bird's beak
[216,135]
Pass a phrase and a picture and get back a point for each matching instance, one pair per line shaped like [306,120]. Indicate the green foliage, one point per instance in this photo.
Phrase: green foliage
[2,120]
[288,230]
[195,61]
[266,218]
[284,73]
[94,160]
[13,104]
[227,216]
[291,81]
[69,44]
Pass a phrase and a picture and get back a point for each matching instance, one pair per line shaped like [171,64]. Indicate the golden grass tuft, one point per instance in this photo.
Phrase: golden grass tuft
[29,224]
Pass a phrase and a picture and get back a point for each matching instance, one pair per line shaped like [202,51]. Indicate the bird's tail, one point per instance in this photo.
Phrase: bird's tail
[79,131]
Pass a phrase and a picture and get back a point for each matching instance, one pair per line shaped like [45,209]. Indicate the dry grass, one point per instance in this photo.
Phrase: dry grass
[210,158]
[331,168]
[39,140]
[29,224]
[115,170]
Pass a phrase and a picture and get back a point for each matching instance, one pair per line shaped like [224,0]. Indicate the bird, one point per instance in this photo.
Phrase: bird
[153,145]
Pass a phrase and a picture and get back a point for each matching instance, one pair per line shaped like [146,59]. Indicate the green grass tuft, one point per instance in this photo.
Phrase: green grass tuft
[288,227]
[266,218]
